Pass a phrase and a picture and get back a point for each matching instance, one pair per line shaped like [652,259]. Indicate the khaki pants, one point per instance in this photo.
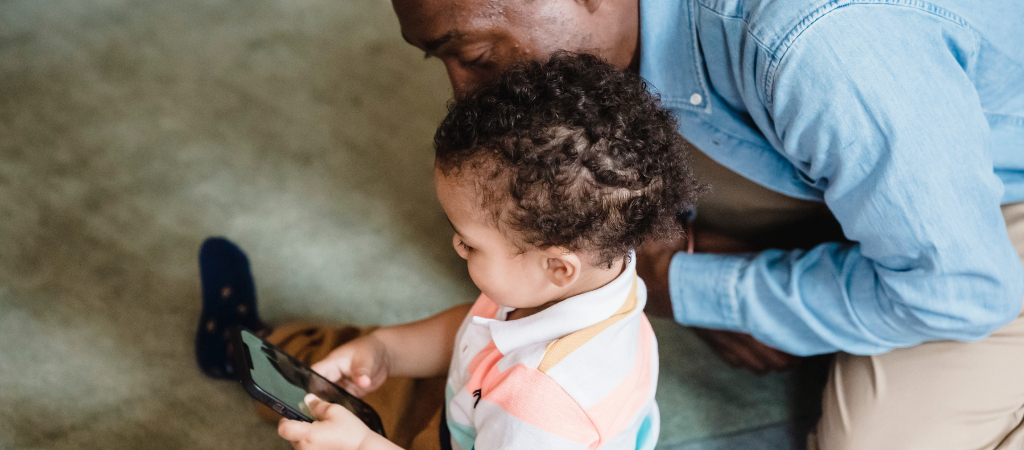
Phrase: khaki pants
[933,396]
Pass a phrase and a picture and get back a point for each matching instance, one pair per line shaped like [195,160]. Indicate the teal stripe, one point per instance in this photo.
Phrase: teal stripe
[464,435]
[643,435]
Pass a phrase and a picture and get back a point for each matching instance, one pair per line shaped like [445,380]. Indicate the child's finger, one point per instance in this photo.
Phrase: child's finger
[293,430]
[326,411]
[318,407]
[335,365]
[328,370]
[352,388]
[363,381]
[362,366]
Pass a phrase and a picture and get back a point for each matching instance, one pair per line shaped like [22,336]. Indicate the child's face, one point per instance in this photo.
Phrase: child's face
[503,273]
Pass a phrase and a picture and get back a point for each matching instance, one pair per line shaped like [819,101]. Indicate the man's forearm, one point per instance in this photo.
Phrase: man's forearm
[423,348]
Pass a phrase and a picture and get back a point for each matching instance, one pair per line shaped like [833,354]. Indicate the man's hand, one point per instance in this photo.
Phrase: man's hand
[739,350]
[336,428]
[653,260]
[360,366]
[742,351]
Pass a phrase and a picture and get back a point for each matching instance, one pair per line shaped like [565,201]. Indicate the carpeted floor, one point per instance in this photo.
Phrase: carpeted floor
[132,129]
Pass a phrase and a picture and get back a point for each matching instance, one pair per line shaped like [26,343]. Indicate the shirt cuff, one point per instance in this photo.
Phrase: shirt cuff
[703,290]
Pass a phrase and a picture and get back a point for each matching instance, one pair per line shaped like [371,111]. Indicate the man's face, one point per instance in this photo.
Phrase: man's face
[476,39]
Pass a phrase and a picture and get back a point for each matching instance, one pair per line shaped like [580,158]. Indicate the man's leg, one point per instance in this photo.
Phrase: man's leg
[934,396]
[409,408]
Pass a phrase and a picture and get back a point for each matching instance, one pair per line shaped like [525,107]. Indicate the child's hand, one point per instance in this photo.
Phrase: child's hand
[360,366]
[336,428]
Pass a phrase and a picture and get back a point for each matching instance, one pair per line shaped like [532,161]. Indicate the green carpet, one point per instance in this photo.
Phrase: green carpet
[132,129]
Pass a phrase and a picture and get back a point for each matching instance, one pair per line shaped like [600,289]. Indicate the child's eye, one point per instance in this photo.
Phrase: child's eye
[465,247]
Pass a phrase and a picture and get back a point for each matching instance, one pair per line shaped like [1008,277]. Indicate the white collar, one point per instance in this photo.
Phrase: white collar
[565,317]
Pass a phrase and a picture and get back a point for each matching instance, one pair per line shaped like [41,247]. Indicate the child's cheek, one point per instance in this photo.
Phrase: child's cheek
[479,276]
[490,278]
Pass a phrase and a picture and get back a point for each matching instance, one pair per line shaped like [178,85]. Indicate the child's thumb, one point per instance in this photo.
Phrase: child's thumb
[363,367]
[329,369]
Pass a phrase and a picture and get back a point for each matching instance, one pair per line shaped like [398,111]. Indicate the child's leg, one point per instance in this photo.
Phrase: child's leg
[409,407]
[229,300]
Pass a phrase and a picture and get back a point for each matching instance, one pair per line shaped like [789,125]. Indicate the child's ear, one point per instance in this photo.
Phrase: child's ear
[561,268]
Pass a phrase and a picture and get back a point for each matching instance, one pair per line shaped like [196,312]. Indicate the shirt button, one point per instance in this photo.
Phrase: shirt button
[695,99]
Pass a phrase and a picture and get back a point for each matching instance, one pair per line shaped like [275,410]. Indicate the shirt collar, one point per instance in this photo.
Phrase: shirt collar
[565,317]
[669,58]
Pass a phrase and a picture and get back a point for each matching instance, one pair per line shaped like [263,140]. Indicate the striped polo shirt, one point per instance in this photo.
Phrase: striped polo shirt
[580,374]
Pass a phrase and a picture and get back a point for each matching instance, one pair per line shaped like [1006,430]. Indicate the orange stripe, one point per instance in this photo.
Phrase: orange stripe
[558,349]
[538,400]
[484,307]
[617,409]
[529,396]
[490,354]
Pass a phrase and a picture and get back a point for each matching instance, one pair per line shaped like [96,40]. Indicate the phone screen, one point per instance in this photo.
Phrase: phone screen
[288,381]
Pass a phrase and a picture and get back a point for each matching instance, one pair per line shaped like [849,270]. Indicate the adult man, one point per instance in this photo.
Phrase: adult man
[904,119]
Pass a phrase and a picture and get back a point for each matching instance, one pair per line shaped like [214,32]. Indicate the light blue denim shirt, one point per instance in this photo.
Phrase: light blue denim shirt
[905,117]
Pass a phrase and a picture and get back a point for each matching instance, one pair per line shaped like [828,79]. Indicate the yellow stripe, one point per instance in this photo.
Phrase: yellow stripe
[558,349]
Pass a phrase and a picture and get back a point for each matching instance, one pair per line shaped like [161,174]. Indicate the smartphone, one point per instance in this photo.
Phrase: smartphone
[280,381]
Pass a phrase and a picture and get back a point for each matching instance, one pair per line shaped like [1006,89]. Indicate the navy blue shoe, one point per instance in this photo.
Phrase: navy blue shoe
[229,300]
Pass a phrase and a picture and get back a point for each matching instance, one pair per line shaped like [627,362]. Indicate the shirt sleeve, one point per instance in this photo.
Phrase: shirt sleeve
[873,105]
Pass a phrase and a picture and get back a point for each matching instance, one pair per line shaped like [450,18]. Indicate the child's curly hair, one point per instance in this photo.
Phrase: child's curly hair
[573,153]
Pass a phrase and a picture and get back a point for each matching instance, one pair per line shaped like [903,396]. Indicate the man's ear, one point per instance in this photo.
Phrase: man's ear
[561,267]
[591,5]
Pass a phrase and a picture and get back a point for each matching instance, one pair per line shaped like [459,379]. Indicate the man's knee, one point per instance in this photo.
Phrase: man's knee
[941,395]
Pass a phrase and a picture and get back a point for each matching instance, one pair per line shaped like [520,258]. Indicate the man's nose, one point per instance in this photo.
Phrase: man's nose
[463,81]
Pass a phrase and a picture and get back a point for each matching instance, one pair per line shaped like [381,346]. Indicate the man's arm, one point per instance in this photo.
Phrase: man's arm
[739,350]
[871,104]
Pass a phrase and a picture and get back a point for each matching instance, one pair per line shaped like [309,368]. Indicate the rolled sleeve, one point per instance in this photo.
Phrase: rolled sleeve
[703,288]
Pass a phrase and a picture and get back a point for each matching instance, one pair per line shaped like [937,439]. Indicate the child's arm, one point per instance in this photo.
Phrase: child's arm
[418,349]
[424,348]
[336,428]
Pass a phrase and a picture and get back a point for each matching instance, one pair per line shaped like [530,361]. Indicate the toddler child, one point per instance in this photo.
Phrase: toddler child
[550,177]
